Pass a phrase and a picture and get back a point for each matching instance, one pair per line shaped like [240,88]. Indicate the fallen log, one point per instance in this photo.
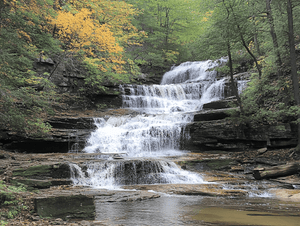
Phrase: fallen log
[268,162]
[276,171]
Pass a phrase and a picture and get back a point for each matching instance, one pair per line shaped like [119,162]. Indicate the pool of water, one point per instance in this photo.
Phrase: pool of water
[196,210]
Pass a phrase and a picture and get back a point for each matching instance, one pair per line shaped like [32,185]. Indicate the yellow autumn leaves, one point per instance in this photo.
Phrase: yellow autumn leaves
[79,31]
[96,30]
[86,28]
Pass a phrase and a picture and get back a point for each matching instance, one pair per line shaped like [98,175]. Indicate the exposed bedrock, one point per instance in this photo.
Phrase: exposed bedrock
[223,134]
[213,129]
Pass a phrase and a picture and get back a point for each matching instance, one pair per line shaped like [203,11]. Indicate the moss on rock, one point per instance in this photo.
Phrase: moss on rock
[66,207]
[40,171]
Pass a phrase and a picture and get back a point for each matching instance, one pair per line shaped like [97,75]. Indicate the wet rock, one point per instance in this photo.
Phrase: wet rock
[227,135]
[79,203]
[40,184]
[213,114]
[221,104]
[128,172]
[262,151]
[208,164]
[66,207]
[44,171]
[287,194]
[176,109]
[126,196]
[212,190]
[72,123]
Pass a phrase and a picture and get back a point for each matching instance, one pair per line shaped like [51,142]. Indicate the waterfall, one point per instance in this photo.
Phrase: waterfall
[192,72]
[164,111]
[156,131]
[112,174]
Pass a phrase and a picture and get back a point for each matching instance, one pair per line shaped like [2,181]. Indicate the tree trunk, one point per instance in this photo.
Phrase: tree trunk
[274,37]
[295,78]
[250,53]
[276,171]
[233,85]
[256,42]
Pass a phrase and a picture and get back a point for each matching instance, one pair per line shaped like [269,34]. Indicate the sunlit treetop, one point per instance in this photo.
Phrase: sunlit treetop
[117,15]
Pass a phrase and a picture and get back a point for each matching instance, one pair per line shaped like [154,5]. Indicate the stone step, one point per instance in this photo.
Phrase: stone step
[72,123]
[214,114]
[33,184]
[221,104]
[80,203]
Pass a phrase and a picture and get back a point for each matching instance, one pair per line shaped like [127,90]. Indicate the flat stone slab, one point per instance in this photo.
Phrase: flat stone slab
[66,207]
[214,190]
[79,202]
[213,114]
[41,184]
[220,104]
[292,195]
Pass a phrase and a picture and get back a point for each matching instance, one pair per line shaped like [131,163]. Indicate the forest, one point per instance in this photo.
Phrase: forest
[115,41]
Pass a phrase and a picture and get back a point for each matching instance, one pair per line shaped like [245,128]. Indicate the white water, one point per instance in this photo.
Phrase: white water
[157,130]
[113,174]
[164,111]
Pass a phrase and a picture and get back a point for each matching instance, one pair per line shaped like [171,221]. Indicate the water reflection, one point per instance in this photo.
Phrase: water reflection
[196,210]
[167,210]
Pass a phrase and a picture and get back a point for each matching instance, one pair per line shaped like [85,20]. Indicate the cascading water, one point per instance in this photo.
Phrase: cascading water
[156,131]
[110,174]
[164,111]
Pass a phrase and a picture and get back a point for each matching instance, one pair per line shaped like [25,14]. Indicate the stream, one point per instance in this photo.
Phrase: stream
[139,151]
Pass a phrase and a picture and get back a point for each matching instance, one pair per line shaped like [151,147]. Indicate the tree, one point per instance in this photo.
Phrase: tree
[98,31]
[274,37]
[23,34]
[294,75]
[170,26]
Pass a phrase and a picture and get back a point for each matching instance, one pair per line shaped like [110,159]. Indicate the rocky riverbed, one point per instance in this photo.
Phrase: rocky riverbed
[229,175]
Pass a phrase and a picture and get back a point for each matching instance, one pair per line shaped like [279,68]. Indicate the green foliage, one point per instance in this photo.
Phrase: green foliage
[19,105]
[169,25]
[30,30]
[24,95]
[268,100]
[3,223]
[153,33]
[11,203]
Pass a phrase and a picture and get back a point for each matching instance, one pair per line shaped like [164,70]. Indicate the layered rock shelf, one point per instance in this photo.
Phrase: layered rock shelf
[214,130]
